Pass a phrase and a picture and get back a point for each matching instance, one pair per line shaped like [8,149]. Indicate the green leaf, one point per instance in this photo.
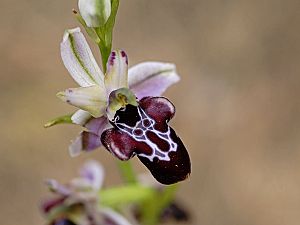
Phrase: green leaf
[59,120]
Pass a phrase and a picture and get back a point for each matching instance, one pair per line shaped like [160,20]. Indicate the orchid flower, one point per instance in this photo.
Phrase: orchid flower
[118,111]
[77,202]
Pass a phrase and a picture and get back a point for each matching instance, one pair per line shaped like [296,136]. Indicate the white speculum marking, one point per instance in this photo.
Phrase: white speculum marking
[138,133]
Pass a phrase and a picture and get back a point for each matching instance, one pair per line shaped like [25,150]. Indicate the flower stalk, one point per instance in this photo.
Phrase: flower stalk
[102,35]
[154,206]
[124,195]
[127,172]
[105,34]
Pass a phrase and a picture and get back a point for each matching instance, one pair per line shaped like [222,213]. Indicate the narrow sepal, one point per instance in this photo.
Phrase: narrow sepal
[91,99]
[79,60]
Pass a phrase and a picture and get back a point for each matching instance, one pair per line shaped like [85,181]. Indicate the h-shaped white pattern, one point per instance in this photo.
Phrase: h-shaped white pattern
[138,133]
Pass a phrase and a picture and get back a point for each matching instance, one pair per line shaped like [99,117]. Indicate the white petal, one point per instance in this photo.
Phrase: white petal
[151,78]
[91,99]
[81,117]
[79,60]
[117,70]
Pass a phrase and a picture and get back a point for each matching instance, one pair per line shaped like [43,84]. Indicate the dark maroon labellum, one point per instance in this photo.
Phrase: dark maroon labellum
[143,130]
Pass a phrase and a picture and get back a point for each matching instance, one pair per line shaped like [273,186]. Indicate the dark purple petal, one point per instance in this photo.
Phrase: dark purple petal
[162,144]
[176,169]
[129,116]
[160,109]
[118,143]
[144,131]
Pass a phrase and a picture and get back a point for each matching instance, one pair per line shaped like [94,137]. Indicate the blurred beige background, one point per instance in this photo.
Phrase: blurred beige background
[238,103]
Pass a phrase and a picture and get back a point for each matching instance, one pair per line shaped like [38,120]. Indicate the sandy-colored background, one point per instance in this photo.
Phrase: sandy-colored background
[238,105]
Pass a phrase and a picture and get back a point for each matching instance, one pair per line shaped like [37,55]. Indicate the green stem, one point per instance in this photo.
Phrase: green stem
[114,197]
[127,172]
[105,34]
[105,52]
[153,208]
[104,46]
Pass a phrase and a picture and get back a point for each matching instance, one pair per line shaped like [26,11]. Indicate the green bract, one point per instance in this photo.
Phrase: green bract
[95,12]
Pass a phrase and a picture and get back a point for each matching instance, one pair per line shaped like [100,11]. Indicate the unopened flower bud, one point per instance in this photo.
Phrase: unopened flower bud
[95,12]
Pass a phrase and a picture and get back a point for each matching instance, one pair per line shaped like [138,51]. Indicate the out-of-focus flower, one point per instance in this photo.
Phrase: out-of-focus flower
[120,99]
[77,202]
[95,12]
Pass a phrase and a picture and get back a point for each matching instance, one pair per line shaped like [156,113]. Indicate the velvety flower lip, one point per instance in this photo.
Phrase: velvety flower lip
[143,131]
[93,96]
[76,202]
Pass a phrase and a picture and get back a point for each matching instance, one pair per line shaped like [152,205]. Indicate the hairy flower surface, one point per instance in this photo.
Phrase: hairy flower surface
[77,202]
[143,130]
[117,110]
